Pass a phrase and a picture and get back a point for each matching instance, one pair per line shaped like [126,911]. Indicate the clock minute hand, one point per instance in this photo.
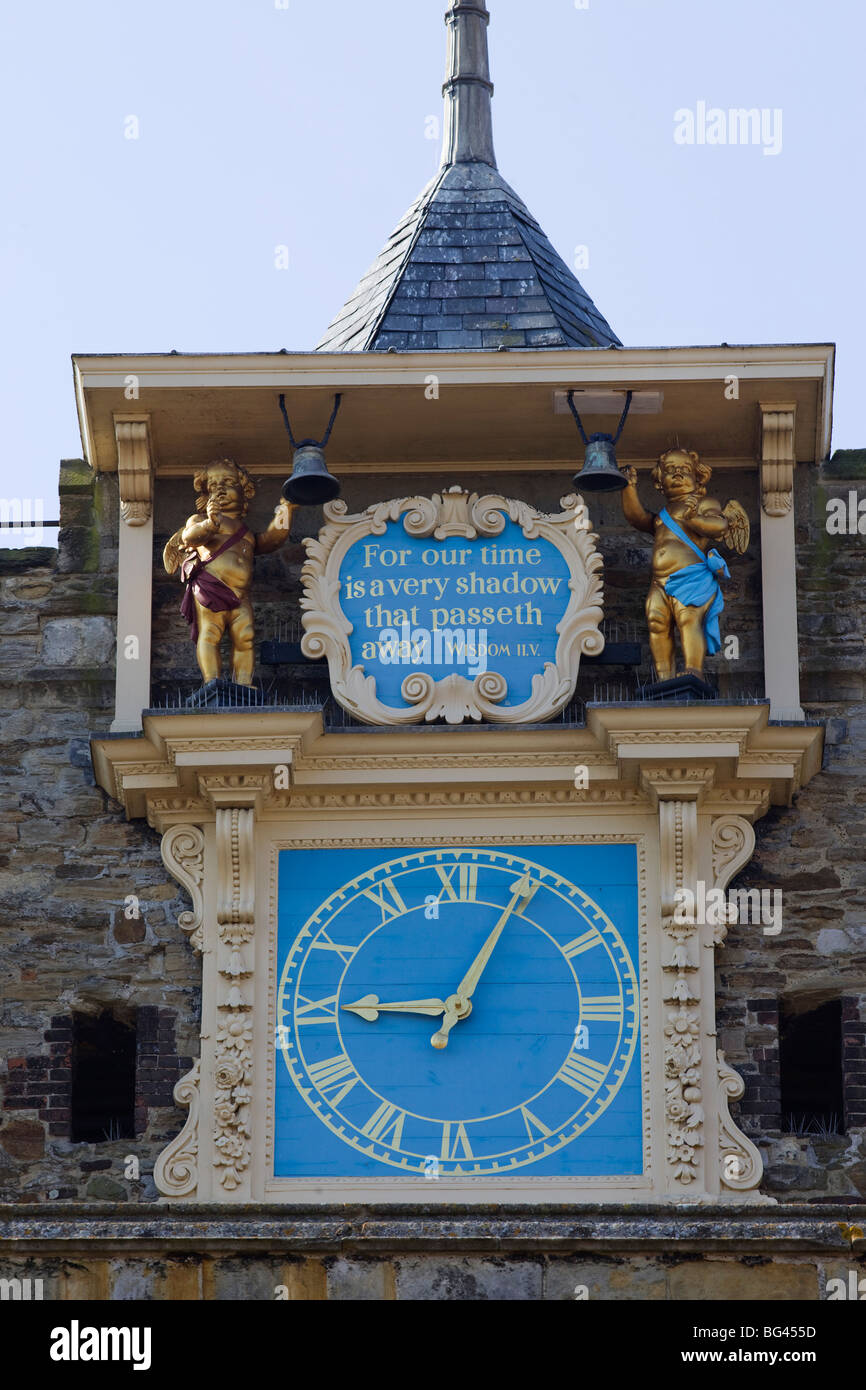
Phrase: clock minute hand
[523,892]
[458,1005]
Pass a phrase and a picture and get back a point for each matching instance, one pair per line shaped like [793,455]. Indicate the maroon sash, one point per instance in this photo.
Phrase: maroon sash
[210,591]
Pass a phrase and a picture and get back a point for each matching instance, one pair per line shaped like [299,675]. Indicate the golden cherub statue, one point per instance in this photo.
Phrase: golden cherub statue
[685,589]
[215,553]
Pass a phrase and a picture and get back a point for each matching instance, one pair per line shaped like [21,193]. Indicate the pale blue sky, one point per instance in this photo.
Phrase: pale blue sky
[305,126]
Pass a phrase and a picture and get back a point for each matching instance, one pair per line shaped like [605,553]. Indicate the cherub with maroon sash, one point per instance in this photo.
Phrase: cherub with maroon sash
[215,553]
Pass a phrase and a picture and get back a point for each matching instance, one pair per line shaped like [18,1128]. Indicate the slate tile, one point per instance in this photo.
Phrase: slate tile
[471,270]
[505,339]
[462,339]
[547,337]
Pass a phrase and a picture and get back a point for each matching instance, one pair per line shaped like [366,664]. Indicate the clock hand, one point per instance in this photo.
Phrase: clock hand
[370,1008]
[458,1005]
[522,894]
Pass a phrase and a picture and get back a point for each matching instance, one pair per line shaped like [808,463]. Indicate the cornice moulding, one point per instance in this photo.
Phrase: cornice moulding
[447,767]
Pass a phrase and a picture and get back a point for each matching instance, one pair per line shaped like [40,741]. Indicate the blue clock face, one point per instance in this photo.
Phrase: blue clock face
[467,1011]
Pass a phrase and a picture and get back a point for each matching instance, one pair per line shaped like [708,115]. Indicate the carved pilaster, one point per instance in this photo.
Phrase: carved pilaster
[134,468]
[233,1055]
[176,1170]
[778,561]
[182,851]
[684,1113]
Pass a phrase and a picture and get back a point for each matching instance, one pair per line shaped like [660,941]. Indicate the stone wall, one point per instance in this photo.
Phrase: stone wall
[69,863]
[814,852]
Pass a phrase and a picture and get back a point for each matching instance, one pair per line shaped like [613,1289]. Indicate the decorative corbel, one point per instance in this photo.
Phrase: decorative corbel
[778,458]
[176,1170]
[740,1164]
[182,851]
[134,467]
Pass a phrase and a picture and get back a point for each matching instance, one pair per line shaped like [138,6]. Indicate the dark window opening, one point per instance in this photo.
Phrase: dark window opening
[103,1079]
[810,1056]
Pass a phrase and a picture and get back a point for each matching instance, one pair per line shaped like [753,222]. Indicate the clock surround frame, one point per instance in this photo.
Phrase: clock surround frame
[691,779]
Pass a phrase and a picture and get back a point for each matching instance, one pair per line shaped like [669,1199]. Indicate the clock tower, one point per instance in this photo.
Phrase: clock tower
[457,673]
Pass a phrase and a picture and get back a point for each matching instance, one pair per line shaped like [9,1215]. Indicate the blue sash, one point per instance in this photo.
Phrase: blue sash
[695,585]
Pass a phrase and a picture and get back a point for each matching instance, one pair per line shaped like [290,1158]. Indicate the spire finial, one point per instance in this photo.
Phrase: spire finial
[468,89]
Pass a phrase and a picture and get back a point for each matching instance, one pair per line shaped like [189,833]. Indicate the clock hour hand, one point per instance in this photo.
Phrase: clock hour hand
[370,1008]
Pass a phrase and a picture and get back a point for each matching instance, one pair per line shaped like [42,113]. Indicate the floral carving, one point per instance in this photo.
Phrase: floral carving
[233,1067]
[685,1115]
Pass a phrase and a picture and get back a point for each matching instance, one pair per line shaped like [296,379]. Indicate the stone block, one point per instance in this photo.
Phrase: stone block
[23,1139]
[731,1281]
[630,1280]
[180,1280]
[102,1189]
[241,1280]
[85,1281]
[469,1280]
[305,1281]
[85,642]
[131,1280]
[360,1281]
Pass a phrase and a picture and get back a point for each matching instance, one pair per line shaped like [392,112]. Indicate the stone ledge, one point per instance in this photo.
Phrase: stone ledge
[114,1228]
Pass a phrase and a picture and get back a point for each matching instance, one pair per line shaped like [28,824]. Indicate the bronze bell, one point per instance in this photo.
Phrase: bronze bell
[600,472]
[311,485]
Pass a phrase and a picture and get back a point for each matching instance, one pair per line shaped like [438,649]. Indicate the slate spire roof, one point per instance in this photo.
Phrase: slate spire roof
[468,266]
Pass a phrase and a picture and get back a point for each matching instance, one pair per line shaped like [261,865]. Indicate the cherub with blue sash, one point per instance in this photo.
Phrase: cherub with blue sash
[686,591]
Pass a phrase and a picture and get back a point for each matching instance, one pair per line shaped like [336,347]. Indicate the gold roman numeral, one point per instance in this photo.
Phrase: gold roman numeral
[467,882]
[605,1008]
[528,888]
[316,1010]
[384,1122]
[324,943]
[534,1127]
[583,943]
[379,893]
[334,1078]
[582,1074]
[460,1141]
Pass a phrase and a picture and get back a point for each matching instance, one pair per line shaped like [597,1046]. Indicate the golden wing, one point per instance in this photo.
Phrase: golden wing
[739,531]
[175,553]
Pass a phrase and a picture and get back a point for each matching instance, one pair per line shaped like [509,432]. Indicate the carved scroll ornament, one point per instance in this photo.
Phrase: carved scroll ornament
[182,850]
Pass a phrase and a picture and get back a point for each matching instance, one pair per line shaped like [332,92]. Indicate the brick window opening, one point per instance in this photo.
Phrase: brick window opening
[103,1079]
[810,1055]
